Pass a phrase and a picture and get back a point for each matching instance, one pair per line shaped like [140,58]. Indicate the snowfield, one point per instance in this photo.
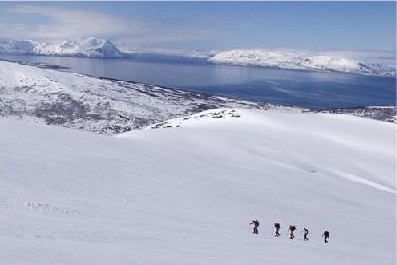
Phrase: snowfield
[183,191]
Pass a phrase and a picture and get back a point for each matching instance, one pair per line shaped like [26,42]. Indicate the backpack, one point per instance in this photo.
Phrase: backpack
[276,225]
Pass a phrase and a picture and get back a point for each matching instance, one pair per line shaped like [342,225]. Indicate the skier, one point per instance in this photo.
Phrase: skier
[277,227]
[305,233]
[291,230]
[256,224]
[326,236]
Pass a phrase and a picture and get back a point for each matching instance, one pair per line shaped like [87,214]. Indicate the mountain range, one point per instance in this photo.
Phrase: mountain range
[366,63]
[343,62]
[89,47]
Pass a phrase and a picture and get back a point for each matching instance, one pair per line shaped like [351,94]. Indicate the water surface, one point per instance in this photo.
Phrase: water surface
[290,87]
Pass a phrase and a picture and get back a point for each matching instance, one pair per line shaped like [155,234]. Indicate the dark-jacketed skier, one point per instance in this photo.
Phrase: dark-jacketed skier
[277,228]
[305,233]
[255,223]
[326,236]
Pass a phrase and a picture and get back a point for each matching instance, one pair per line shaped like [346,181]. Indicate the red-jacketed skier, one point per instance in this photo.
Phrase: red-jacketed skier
[255,223]
[291,230]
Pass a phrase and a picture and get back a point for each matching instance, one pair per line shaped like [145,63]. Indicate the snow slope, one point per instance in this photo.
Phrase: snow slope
[344,62]
[93,104]
[185,192]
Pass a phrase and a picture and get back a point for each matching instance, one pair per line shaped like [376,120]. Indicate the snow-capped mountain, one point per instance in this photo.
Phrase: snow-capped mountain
[94,104]
[184,193]
[89,47]
[304,60]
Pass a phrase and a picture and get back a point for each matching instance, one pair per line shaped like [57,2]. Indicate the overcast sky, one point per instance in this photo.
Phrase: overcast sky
[208,25]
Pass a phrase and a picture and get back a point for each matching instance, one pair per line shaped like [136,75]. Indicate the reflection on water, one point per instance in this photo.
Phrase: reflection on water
[292,87]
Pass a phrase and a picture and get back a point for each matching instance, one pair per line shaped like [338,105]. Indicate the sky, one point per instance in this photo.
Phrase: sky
[206,26]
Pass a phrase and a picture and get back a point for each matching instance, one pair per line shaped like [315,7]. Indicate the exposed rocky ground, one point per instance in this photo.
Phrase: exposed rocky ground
[382,113]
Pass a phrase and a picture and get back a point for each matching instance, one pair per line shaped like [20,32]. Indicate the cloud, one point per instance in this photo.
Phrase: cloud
[62,23]
[68,23]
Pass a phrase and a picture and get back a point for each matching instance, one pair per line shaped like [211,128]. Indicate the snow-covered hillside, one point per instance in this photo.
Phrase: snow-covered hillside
[305,60]
[185,192]
[94,104]
[89,47]
[105,106]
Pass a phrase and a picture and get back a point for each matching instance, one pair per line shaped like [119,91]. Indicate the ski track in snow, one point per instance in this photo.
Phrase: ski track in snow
[363,181]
